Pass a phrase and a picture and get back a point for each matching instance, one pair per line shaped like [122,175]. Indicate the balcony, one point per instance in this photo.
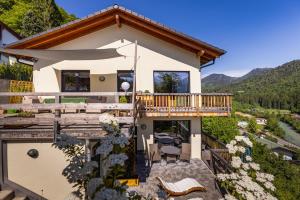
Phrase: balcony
[184,104]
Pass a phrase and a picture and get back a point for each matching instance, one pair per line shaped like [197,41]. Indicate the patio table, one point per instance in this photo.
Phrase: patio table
[170,150]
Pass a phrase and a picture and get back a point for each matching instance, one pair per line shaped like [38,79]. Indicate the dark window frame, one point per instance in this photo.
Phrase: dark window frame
[189,124]
[74,71]
[189,79]
[118,81]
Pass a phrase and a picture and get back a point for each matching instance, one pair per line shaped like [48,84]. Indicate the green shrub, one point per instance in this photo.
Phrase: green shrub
[123,99]
[16,71]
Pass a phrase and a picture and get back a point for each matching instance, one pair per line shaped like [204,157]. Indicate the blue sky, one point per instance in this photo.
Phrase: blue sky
[255,33]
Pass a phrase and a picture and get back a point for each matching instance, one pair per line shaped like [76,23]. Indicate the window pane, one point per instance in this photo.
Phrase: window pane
[75,81]
[171,82]
[174,128]
[125,76]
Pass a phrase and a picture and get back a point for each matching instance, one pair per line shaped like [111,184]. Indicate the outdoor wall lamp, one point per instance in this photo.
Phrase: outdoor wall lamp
[101,78]
[33,153]
[143,126]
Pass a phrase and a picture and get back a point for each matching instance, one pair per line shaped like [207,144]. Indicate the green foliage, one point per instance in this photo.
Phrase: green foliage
[295,123]
[16,71]
[28,17]
[273,126]
[123,99]
[223,128]
[287,176]
[252,126]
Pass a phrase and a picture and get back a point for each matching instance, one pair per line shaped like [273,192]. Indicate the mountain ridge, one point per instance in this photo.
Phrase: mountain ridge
[215,80]
[277,87]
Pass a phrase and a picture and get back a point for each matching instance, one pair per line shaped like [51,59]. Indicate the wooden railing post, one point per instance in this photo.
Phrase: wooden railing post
[56,125]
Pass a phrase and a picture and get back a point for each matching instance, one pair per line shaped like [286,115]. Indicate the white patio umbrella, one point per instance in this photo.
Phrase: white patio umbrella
[56,55]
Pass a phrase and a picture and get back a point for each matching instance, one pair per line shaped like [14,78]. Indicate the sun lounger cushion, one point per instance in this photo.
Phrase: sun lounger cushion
[181,187]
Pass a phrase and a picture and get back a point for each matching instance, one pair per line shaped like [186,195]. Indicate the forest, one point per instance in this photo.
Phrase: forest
[277,88]
[29,17]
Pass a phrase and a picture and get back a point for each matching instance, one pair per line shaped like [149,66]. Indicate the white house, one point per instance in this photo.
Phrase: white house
[168,69]
[7,36]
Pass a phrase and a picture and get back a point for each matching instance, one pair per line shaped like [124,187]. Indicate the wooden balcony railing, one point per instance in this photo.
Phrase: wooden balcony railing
[185,104]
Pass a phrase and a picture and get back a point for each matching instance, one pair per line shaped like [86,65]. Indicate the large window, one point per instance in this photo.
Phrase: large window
[75,81]
[171,82]
[125,76]
[175,128]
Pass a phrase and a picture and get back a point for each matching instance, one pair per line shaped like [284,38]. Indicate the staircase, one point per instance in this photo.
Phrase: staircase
[7,193]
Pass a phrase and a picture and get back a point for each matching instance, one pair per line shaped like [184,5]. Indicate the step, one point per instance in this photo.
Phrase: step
[19,198]
[7,195]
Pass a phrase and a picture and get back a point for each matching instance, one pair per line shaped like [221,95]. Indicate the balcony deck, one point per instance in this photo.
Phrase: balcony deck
[84,115]
[185,104]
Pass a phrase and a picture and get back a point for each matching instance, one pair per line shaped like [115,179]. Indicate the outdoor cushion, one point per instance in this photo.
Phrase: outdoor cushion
[181,187]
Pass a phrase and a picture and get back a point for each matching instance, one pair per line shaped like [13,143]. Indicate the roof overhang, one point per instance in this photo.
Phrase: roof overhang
[117,15]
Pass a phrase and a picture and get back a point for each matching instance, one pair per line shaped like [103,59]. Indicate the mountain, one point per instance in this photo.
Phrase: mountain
[271,88]
[254,72]
[214,81]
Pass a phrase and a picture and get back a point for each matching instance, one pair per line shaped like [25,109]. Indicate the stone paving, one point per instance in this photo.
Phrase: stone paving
[173,172]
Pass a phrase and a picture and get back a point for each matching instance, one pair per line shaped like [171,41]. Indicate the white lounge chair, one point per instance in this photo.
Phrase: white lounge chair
[182,187]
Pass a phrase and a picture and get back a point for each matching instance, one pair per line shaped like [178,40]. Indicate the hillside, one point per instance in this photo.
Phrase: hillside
[273,88]
[28,17]
[215,81]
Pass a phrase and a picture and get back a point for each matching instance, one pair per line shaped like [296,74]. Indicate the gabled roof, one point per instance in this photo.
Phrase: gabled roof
[117,15]
[2,25]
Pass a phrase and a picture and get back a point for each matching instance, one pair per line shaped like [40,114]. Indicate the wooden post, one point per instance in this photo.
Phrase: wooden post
[56,125]
[88,150]
[134,80]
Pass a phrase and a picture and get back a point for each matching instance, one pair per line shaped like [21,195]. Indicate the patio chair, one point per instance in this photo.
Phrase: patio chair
[171,159]
[154,153]
[185,152]
[182,187]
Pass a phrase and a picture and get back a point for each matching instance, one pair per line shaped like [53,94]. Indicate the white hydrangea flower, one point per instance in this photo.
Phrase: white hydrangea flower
[243,172]
[229,197]
[245,166]
[107,118]
[248,158]
[269,186]
[254,166]
[241,149]
[236,162]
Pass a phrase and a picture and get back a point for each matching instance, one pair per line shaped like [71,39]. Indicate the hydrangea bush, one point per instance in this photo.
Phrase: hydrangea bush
[82,173]
[246,182]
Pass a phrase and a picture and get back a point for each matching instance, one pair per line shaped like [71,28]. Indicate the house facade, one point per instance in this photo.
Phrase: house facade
[7,36]
[166,83]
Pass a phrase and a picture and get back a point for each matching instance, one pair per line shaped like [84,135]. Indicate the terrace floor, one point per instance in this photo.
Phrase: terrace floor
[173,172]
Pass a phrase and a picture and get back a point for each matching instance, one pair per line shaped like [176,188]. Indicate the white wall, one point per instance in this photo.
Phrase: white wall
[42,175]
[153,54]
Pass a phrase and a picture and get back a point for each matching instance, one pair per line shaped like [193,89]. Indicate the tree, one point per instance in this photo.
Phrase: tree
[43,16]
[40,15]
[223,128]
[252,126]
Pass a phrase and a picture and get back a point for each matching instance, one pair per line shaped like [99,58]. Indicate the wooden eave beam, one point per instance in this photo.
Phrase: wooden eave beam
[118,21]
